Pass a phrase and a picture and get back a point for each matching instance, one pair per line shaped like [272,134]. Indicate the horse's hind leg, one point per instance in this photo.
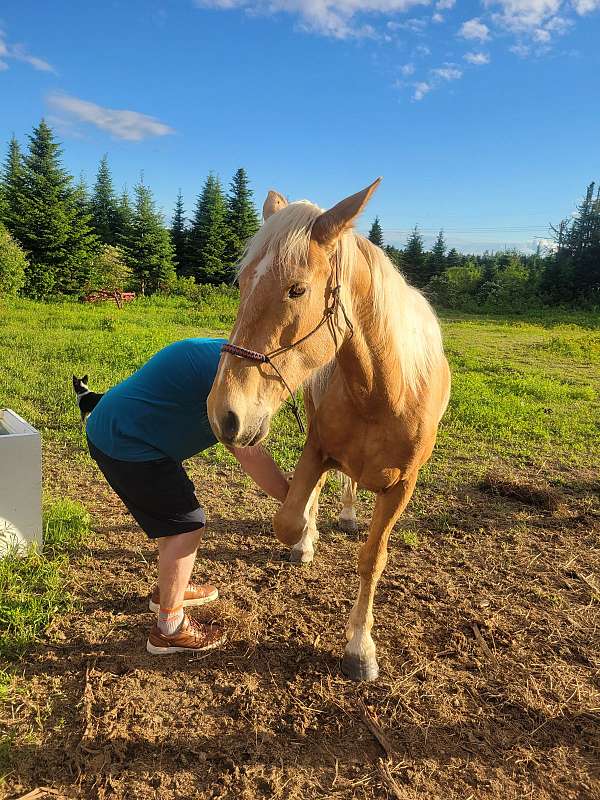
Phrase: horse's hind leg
[303,552]
[360,661]
[347,518]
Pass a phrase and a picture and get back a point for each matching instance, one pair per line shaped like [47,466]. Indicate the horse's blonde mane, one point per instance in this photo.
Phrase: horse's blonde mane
[407,324]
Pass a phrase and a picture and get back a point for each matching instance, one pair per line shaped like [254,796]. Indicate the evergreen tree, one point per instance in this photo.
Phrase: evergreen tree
[179,236]
[394,255]
[413,259]
[123,218]
[437,258]
[51,227]
[242,219]
[103,204]
[376,234]
[12,175]
[148,248]
[82,244]
[209,235]
[453,259]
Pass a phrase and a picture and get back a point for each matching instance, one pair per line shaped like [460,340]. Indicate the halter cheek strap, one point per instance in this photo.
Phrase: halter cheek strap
[267,358]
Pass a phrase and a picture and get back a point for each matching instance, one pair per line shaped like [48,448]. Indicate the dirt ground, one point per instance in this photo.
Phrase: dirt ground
[488,634]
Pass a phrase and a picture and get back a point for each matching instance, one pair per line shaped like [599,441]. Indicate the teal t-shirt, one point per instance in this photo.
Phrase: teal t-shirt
[161,409]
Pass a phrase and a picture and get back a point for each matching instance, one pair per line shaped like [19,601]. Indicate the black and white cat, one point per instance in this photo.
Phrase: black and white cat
[86,399]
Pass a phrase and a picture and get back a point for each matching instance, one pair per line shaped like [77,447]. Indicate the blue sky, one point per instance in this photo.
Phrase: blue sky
[483,116]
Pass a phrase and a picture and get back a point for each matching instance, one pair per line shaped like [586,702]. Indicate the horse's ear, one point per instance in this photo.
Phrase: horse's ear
[274,202]
[334,222]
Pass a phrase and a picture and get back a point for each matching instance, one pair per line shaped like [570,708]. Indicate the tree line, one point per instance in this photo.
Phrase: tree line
[57,237]
[567,273]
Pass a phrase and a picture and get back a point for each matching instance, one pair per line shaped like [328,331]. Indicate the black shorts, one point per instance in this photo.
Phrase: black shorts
[158,494]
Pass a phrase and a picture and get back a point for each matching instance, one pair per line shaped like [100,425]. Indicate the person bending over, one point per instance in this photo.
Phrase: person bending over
[139,434]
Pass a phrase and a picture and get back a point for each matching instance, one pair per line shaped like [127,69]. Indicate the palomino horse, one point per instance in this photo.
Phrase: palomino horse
[322,306]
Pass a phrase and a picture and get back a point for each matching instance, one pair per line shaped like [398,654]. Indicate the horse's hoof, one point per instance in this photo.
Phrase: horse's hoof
[360,669]
[348,525]
[300,557]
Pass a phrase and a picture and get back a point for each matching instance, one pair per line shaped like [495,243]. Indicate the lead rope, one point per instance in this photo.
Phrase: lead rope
[266,358]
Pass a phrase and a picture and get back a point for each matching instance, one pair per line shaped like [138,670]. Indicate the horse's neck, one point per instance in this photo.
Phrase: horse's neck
[370,370]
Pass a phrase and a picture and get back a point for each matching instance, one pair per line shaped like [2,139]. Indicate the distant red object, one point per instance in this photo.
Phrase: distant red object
[101,295]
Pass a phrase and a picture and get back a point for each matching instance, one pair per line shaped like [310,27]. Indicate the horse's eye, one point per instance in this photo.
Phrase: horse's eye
[296,290]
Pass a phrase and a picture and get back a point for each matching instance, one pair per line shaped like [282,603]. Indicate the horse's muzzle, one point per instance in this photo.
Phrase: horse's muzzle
[230,430]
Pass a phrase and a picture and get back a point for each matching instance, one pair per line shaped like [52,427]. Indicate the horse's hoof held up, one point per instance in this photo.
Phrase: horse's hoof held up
[360,669]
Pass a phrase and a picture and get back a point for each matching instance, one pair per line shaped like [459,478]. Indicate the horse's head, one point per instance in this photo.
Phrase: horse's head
[287,282]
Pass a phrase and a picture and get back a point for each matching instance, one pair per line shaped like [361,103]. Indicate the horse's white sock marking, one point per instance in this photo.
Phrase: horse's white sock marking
[305,547]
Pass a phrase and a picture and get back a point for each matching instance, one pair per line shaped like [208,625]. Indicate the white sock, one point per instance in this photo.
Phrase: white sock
[169,620]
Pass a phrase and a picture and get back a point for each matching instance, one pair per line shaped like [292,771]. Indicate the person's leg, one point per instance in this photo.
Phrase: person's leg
[176,557]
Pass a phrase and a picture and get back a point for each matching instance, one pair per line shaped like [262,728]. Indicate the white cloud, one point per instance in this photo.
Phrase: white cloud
[524,16]
[477,58]
[586,6]
[541,35]
[474,29]
[407,69]
[445,5]
[559,25]
[414,25]
[18,52]
[422,50]
[122,124]
[520,49]
[449,72]
[437,18]
[421,89]
[336,18]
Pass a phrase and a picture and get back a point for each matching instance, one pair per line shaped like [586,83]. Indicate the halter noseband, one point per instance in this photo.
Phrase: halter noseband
[266,358]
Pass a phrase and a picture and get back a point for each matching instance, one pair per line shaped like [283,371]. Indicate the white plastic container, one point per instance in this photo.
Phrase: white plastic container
[20,482]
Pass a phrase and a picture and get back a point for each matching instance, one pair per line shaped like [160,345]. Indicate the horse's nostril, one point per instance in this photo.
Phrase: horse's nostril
[230,426]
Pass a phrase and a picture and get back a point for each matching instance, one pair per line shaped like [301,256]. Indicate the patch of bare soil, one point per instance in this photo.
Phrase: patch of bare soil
[488,639]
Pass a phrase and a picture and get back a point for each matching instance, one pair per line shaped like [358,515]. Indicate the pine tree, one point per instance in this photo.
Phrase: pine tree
[413,259]
[437,259]
[242,219]
[394,255]
[453,259]
[103,204]
[376,234]
[82,244]
[12,175]
[209,235]
[55,235]
[148,248]
[123,218]
[179,236]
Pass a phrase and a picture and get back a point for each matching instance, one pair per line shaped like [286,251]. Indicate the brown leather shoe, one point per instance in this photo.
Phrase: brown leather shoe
[192,637]
[194,596]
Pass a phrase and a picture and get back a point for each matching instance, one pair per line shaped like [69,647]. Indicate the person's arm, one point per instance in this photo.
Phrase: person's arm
[257,463]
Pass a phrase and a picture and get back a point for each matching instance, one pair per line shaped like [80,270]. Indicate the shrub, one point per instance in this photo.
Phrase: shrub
[13,264]
[109,270]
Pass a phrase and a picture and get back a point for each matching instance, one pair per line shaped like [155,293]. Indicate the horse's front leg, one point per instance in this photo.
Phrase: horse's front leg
[347,518]
[360,661]
[304,551]
[292,522]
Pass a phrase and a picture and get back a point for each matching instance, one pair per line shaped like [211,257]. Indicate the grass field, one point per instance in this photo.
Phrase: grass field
[500,545]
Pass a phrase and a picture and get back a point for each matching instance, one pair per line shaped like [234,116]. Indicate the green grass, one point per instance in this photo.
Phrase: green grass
[525,390]
[33,586]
